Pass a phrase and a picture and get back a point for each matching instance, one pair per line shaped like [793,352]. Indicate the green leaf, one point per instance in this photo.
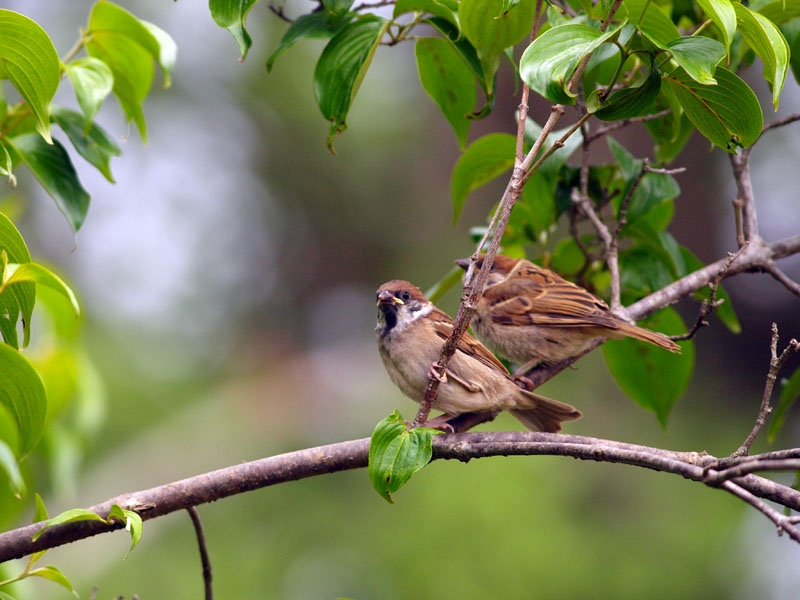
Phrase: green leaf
[6,166]
[167,50]
[316,25]
[342,67]
[492,26]
[36,273]
[95,145]
[51,165]
[92,81]
[396,453]
[768,43]
[790,392]
[728,113]
[440,288]
[462,45]
[723,16]
[22,393]
[132,521]
[448,81]
[725,311]
[69,516]
[30,61]
[698,56]
[654,188]
[55,576]
[650,20]
[549,62]
[781,11]
[444,9]
[645,268]
[9,465]
[40,513]
[484,159]
[9,431]
[538,197]
[652,376]
[567,257]
[628,102]
[629,165]
[659,243]
[21,299]
[231,15]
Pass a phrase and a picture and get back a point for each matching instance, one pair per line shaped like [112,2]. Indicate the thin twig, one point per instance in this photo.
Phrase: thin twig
[714,477]
[201,544]
[782,278]
[676,171]
[606,129]
[710,304]
[740,162]
[781,122]
[782,522]
[370,5]
[775,364]
[278,10]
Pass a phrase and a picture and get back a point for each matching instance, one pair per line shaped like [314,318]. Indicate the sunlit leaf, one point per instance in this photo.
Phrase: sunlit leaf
[446,9]
[484,159]
[54,575]
[15,274]
[648,18]
[92,81]
[132,521]
[9,466]
[52,166]
[655,378]
[69,516]
[22,393]
[396,453]
[722,14]
[698,56]
[95,145]
[448,80]
[20,300]
[30,61]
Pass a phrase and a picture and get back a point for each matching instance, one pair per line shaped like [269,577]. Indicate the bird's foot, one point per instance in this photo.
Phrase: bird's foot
[438,372]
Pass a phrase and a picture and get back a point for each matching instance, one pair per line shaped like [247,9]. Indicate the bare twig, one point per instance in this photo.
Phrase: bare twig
[781,122]
[710,304]
[201,544]
[756,465]
[370,5]
[606,129]
[740,162]
[775,364]
[310,462]
[782,278]
[676,171]
[782,522]
[278,10]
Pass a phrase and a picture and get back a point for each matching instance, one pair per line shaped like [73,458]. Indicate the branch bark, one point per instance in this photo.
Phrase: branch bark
[293,466]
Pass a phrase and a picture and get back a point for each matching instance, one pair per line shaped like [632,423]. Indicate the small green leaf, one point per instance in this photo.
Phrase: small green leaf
[22,393]
[231,15]
[30,61]
[36,273]
[492,26]
[629,102]
[9,465]
[549,62]
[768,43]
[790,392]
[724,17]
[725,311]
[40,513]
[567,257]
[440,288]
[55,576]
[342,67]
[652,376]
[315,25]
[167,50]
[654,188]
[95,145]
[484,159]
[21,299]
[448,81]
[92,81]
[648,18]
[629,165]
[51,165]
[446,9]
[698,56]
[69,516]
[728,113]
[6,166]
[396,453]
[132,521]
[538,197]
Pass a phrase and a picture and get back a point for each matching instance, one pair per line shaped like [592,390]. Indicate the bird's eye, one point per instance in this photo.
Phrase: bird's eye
[405,295]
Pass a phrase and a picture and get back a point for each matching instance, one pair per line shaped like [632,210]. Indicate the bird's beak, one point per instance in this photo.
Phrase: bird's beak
[463,263]
[386,297]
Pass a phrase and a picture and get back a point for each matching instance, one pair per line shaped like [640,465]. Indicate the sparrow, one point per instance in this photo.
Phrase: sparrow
[532,316]
[411,332]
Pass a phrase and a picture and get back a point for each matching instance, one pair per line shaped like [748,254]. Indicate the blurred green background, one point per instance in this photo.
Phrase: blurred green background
[227,281]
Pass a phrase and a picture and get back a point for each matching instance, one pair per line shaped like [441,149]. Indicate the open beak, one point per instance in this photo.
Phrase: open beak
[463,263]
[386,297]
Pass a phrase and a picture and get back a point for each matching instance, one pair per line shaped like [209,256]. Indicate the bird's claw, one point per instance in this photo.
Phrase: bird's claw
[435,374]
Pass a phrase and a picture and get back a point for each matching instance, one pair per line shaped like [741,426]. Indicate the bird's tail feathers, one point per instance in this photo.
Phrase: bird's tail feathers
[544,414]
[640,333]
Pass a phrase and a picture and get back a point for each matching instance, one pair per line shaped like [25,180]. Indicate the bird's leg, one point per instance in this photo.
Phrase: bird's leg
[518,374]
[440,422]
[435,373]
[471,386]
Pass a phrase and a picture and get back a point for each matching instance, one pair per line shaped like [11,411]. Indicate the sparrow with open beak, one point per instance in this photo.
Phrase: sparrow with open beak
[530,315]
[411,332]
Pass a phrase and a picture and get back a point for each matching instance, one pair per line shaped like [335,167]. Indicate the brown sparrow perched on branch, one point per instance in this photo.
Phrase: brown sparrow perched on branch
[411,332]
[530,315]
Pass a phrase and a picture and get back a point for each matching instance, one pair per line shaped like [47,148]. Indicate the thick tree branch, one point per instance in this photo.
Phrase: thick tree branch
[343,456]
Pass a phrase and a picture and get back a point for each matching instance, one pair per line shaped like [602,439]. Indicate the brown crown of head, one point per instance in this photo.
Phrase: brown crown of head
[501,263]
[397,288]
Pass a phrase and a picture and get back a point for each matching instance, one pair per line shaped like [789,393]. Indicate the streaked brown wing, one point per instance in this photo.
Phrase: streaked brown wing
[443,326]
[533,296]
